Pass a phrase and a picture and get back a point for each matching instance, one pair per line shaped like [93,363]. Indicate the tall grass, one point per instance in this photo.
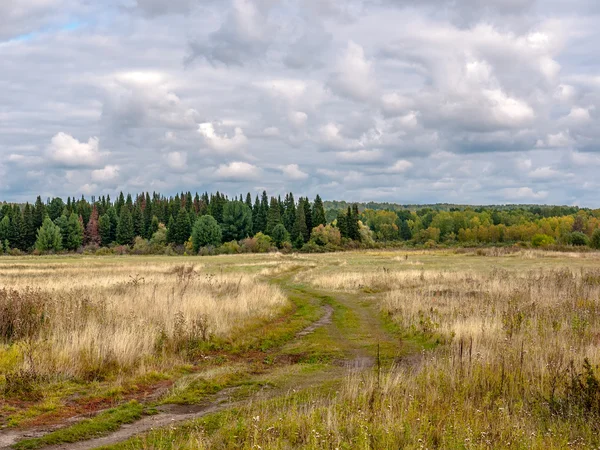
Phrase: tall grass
[97,320]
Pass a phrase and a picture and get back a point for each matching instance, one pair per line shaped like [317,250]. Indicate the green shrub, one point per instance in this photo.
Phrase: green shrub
[595,241]
[579,239]
[542,240]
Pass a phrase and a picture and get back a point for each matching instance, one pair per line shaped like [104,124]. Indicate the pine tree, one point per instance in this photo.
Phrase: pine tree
[171,231]
[249,200]
[263,213]
[92,235]
[206,231]
[119,203]
[318,212]
[125,231]
[237,221]
[49,237]
[273,217]
[4,231]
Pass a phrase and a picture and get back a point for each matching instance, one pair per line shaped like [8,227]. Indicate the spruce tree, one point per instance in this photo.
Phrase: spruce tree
[39,212]
[300,232]
[104,230]
[92,235]
[147,216]
[138,220]
[114,221]
[4,231]
[154,224]
[289,216]
[263,213]
[182,228]
[74,237]
[125,231]
[318,212]
[273,217]
[308,216]
[256,216]
[17,229]
[29,227]
[352,221]
[237,221]
[342,224]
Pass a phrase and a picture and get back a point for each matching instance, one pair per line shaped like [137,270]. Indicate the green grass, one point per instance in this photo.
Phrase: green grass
[100,425]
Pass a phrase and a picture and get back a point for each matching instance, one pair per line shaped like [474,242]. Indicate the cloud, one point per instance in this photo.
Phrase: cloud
[222,143]
[293,172]
[109,173]
[399,166]
[154,8]
[238,171]
[243,36]
[354,76]
[177,160]
[360,156]
[524,193]
[65,150]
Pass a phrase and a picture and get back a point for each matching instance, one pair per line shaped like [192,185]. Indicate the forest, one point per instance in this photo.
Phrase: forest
[219,224]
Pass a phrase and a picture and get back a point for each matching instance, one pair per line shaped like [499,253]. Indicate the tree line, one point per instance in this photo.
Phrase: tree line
[153,223]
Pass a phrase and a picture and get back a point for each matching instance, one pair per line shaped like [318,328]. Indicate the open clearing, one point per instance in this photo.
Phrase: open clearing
[427,349]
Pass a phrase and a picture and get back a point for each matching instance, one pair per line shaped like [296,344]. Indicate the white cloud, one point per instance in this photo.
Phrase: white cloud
[544,173]
[524,193]
[360,156]
[238,171]
[222,143]
[64,149]
[293,172]
[177,160]
[298,118]
[354,77]
[399,166]
[109,173]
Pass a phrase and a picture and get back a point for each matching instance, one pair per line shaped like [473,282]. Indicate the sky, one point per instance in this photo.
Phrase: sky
[458,101]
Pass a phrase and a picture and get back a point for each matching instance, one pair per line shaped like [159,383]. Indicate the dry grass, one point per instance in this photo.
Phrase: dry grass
[128,317]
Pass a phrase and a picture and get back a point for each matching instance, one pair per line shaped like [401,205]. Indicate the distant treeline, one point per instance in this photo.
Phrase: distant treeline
[216,223]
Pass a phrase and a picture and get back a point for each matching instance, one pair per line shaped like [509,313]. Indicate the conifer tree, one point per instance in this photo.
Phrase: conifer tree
[300,231]
[104,230]
[249,200]
[342,224]
[4,231]
[273,216]
[138,220]
[256,216]
[17,229]
[39,212]
[74,234]
[289,216]
[92,235]
[114,221]
[29,228]
[154,224]
[308,217]
[49,237]
[182,228]
[125,231]
[206,231]
[148,214]
[318,212]
[237,221]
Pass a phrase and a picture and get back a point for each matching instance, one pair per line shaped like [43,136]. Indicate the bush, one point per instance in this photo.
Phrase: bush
[263,243]
[326,234]
[579,239]
[595,242]
[104,251]
[542,240]
[141,246]
[230,248]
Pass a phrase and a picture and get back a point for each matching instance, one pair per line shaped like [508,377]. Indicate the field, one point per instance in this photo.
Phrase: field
[496,348]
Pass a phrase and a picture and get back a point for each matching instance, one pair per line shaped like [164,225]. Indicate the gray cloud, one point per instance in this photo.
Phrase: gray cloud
[360,100]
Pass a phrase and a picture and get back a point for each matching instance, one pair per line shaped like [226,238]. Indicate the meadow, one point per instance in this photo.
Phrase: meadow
[495,348]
